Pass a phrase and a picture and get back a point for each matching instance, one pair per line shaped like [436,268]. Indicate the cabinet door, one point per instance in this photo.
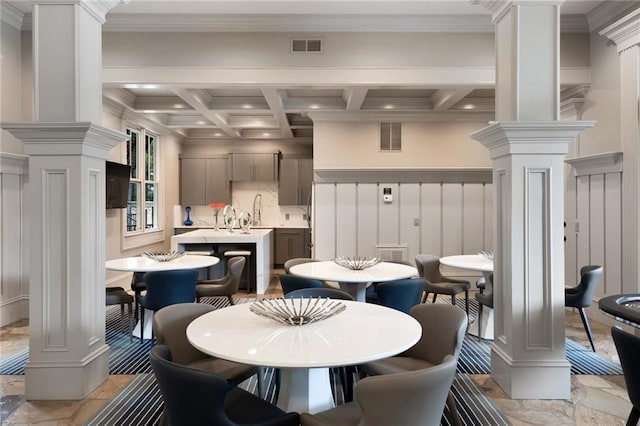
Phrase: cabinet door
[288,185]
[264,167]
[217,182]
[305,179]
[192,182]
[307,243]
[281,249]
[242,167]
[296,244]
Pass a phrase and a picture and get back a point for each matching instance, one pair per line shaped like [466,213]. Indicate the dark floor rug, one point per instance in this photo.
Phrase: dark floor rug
[131,356]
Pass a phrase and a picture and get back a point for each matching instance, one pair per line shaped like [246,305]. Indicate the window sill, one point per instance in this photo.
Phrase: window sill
[142,239]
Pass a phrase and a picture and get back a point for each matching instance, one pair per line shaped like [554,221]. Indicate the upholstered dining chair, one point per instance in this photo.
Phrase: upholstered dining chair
[225,286]
[166,288]
[484,298]
[195,397]
[137,286]
[331,293]
[429,268]
[581,296]
[296,261]
[293,282]
[412,398]
[401,295]
[443,330]
[371,293]
[170,328]
[628,347]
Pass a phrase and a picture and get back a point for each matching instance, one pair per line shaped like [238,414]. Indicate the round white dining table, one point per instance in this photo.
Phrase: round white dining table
[481,263]
[354,282]
[361,333]
[144,264]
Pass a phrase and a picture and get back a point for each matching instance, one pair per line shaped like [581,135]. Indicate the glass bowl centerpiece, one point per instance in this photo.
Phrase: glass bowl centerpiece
[229,216]
[216,210]
[163,256]
[245,222]
[357,263]
[298,311]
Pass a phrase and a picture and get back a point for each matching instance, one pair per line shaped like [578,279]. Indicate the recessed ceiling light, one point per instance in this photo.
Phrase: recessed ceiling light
[149,86]
[389,106]
[149,111]
[266,134]
[469,106]
[217,134]
[314,106]
[178,105]
[201,122]
[247,106]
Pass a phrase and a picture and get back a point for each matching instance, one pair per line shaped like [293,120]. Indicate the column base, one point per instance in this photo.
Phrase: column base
[534,379]
[66,380]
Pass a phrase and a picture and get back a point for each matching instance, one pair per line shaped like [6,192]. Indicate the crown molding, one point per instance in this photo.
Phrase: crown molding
[608,12]
[598,164]
[14,164]
[405,175]
[571,108]
[625,32]
[11,15]
[418,116]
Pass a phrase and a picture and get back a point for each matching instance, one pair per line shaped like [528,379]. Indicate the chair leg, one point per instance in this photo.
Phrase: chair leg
[634,416]
[425,297]
[434,297]
[122,317]
[142,325]
[261,389]
[453,411]
[231,302]
[466,302]
[129,331]
[585,322]
[480,321]
[453,299]
[197,299]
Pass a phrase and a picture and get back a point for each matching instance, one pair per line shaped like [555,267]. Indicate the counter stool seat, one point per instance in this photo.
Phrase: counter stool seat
[248,271]
[118,296]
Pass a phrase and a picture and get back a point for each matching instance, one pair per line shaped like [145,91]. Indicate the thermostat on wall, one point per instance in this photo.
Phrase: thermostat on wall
[386,195]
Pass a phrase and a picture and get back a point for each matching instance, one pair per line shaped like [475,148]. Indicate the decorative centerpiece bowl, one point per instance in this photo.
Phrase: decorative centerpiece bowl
[357,263]
[300,311]
[162,256]
[486,254]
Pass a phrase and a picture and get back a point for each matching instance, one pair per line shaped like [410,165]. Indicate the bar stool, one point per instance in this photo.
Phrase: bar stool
[249,266]
[118,296]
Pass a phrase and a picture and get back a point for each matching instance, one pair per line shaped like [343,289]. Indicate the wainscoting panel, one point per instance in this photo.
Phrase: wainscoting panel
[431,204]
[389,215]
[346,216]
[452,211]
[473,218]
[596,226]
[367,220]
[325,221]
[613,233]
[409,201]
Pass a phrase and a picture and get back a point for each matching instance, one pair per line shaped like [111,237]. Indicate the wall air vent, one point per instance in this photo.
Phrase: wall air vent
[392,253]
[390,136]
[306,45]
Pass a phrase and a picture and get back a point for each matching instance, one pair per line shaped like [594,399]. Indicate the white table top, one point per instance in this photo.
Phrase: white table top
[474,262]
[361,333]
[330,271]
[143,264]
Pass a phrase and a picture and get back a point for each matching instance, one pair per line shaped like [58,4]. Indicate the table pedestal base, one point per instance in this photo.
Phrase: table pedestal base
[487,325]
[148,325]
[357,290]
[305,390]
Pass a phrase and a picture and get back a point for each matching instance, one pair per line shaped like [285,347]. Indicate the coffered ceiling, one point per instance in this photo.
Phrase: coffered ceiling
[253,112]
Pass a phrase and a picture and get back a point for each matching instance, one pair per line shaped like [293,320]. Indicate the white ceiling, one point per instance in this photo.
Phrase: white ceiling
[243,112]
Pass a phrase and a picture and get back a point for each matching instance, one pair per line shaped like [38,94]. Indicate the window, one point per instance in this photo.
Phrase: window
[142,204]
[390,136]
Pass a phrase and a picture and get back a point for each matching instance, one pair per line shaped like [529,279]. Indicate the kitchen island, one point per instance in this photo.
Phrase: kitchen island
[258,241]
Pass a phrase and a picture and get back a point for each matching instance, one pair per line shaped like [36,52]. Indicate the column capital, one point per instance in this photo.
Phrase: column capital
[76,138]
[97,8]
[625,32]
[529,137]
[499,8]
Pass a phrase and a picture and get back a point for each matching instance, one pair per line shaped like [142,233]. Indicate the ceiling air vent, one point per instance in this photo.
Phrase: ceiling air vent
[306,45]
[390,136]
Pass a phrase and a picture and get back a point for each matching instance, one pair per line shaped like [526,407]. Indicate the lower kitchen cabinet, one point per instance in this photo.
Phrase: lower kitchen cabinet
[291,243]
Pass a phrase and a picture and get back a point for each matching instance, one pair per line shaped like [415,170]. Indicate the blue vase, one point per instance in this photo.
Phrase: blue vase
[188,221]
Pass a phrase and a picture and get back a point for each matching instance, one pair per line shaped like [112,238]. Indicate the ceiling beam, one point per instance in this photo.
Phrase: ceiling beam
[354,97]
[446,98]
[199,99]
[274,99]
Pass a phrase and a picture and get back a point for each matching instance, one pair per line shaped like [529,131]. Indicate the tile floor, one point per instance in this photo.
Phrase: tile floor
[595,400]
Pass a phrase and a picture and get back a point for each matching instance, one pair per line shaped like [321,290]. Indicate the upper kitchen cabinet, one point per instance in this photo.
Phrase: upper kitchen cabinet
[204,181]
[254,167]
[296,177]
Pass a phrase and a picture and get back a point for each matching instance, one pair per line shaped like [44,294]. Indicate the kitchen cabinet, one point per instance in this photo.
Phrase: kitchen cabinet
[204,181]
[254,167]
[291,243]
[296,176]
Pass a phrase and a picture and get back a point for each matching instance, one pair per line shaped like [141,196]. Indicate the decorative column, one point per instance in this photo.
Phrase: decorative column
[68,357]
[626,34]
[527,144]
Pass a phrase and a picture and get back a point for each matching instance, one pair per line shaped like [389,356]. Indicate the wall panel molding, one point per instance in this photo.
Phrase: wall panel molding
[444,175]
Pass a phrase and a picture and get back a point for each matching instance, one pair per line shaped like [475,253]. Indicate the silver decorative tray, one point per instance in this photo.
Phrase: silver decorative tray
[357,263]
[162,256]
[299,311]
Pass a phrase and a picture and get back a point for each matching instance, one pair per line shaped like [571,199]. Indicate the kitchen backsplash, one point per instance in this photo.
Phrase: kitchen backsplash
[242,196]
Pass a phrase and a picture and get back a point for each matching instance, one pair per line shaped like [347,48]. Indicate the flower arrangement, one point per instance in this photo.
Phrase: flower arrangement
[216,209]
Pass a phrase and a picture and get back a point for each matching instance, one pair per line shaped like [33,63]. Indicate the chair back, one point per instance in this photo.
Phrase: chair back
[443,330]
[581,296]
[406,399]
[191,397]
[137,282]
[401,295]
[296,261]
[429,268]
[166,288]
[170,328]
[628,347]
[331,293]
[486,298]
[290,283]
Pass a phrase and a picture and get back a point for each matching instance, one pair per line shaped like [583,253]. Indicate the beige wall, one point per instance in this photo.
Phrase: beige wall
[355,145]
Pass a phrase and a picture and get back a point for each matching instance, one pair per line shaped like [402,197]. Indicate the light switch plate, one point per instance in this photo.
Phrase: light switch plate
[416,221]
[286,216]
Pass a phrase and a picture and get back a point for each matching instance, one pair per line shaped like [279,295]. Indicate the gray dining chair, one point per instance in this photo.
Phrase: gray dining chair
[429,268]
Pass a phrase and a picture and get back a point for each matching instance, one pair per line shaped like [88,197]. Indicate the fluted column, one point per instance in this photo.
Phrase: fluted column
[527,144]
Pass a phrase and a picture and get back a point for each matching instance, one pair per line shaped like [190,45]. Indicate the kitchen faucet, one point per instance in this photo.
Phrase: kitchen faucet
[257,207]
